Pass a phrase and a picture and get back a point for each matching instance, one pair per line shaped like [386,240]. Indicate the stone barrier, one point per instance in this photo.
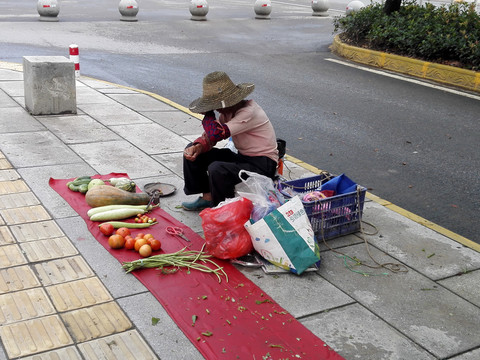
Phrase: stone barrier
[49,85]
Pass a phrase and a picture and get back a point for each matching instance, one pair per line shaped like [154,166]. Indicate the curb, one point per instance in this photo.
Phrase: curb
[448,75]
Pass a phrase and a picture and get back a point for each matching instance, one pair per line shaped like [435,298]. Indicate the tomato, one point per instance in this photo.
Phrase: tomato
[140,235]
[123,231]
[130,243]
[116,241]
[145,250]
[155,244]
[106,229]
[139,243]
[148,236]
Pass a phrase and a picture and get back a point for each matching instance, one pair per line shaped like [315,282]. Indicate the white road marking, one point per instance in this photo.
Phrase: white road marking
[404,78]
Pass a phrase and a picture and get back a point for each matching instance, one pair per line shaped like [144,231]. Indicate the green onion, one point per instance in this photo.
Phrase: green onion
[190,259]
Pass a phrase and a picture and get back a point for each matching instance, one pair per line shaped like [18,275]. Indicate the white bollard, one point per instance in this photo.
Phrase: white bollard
[320,7]
[353,6]
[48,10]
[262,8]
[73,49]
[199,10]
[128,9]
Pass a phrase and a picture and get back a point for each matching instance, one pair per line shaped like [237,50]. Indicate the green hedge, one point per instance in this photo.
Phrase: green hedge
[446,34]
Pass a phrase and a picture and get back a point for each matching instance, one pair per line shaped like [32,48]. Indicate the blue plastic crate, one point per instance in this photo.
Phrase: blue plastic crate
[330,217]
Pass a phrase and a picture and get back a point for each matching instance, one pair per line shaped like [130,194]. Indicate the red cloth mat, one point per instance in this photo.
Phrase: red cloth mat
[227,320]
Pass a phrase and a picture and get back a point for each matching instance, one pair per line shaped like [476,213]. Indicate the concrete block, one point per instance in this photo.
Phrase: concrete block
[49,85]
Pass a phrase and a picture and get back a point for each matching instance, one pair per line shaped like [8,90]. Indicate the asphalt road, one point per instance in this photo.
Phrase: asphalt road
[411,144]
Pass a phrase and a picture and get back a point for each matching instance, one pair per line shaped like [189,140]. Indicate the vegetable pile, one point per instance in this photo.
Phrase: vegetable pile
[114,200]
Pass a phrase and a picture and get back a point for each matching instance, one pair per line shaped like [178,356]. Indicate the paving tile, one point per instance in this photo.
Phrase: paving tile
[63,270]
[77,129]
[17,278]
[5,164]
[68,353]
[77,294]
[7,174]
[6,236]
[471,355]
[310,285]
[6,101]
[34,336]
[11,255]
[6,74]
[86,95]
[24,122]
[114,156]
[95,84]
[406,300]
[339,242]
[48,249]
[24,305]
[43,148]
[151,138]
[172,161]
[417,246]
[355,333]
[13,88]
[10,201]
[141,102]
[36,231]
[465,285]
[96,321]
[12,187]
[114,114]
[128,345]
[24,214]
[176,121]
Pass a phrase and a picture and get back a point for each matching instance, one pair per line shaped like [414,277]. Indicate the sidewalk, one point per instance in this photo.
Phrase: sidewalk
[62,295]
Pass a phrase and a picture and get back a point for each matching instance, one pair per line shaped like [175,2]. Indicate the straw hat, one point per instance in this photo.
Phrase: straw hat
[220,92]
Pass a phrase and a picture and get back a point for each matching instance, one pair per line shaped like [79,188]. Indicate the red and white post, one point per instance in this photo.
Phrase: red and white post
[75,58]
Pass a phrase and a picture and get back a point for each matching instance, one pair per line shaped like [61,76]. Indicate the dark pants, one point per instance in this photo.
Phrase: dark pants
[216,172]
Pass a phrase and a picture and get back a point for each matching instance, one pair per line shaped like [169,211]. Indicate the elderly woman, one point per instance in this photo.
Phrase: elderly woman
[213,172]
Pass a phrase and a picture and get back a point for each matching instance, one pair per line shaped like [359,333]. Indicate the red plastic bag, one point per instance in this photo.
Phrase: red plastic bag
[225,235]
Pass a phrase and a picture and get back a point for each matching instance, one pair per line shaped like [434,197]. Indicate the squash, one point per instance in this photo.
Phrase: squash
[103,195]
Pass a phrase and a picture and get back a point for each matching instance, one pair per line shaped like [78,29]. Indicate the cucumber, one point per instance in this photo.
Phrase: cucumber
[119,224]
[73,187]
[83,188]
[100,209]
[82,180]
[116,214]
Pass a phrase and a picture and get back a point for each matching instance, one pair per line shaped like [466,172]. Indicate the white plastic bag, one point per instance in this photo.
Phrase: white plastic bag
[261,191]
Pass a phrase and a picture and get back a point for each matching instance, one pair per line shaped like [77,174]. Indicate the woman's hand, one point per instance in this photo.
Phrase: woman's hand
[192,152]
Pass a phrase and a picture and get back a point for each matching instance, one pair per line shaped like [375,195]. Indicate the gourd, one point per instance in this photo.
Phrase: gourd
[103,195]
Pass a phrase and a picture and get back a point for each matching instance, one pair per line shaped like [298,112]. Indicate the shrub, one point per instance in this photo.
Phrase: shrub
[450,33]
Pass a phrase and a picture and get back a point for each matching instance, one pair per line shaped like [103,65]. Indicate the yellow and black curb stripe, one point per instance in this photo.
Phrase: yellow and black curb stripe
[444,74]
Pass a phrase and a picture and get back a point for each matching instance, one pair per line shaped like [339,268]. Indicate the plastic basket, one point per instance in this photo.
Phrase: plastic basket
[330,217]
